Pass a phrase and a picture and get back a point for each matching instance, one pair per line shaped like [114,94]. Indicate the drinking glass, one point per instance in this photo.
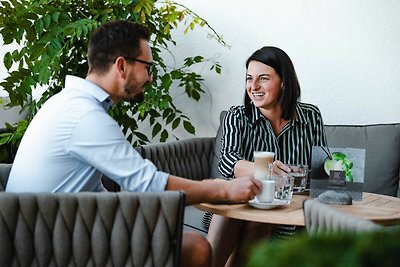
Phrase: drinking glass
[283,187]
[300,174]
[263,164]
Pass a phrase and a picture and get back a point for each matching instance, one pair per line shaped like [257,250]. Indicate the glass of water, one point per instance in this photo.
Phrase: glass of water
[300,174]
[283,187]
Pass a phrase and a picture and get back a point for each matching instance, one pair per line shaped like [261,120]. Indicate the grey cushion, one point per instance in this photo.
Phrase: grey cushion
[91,229]
[214,159]
[382,159]
[322,218]
[189,158]
[4,173]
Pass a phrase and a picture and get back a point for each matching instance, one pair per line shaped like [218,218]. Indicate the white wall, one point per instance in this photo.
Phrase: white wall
[346,53]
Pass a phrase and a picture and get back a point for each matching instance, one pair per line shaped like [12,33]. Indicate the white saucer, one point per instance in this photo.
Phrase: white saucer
[268,205]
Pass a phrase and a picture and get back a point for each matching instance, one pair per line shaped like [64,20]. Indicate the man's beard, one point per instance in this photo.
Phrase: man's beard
[138,98]
[134,98]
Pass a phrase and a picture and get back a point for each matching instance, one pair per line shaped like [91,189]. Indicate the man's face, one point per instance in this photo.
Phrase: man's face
[138,74]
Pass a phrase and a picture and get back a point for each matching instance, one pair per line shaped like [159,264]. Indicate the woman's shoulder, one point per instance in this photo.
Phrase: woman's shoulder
[309,108]
[236,114]
[237,110]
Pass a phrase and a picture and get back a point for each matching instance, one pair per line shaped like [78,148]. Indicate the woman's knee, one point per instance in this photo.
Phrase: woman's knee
[196,251]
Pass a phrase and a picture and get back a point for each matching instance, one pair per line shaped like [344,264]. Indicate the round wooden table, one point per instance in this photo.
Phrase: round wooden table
[384,210]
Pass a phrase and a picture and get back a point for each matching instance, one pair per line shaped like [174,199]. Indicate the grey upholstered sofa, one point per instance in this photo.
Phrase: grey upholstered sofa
[90,229]
[197,158]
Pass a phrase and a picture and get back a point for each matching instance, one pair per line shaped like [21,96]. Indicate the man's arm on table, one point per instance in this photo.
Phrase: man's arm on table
[236,190]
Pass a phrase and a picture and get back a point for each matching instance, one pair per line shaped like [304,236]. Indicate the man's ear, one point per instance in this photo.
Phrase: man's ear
[120,64]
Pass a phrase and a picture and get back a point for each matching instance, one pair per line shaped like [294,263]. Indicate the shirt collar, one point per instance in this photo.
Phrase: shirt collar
[300,117]
[89,87]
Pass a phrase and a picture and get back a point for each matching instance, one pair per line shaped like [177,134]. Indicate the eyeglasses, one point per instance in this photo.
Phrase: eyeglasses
[150,64]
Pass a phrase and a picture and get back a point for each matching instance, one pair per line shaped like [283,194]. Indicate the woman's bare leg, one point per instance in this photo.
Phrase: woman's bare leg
[223,236]
[252,233]
[196,251]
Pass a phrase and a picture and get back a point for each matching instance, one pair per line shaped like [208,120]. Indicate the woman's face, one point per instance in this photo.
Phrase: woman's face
[263,85]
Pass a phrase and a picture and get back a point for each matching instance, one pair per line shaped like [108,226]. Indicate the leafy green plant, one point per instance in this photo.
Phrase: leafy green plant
[377,248]
[53,37]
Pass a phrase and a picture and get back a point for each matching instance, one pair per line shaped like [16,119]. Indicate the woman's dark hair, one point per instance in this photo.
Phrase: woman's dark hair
[113,39]
[278,60]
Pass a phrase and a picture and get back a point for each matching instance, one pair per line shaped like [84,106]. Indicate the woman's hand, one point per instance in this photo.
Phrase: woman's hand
[280,168]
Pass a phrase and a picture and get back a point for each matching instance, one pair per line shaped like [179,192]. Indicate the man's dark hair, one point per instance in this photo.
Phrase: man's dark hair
[114,39]
[278,60]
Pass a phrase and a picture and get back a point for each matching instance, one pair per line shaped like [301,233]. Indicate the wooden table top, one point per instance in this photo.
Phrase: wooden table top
[381,209]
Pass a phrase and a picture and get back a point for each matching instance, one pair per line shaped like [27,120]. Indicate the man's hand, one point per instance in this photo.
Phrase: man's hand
[280,168]
[241,189]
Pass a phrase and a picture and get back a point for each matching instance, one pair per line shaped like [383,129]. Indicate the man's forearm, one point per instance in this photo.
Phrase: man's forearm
[199,191]
[237,190]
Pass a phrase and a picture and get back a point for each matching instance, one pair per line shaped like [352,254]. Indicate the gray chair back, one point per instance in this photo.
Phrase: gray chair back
[5,169]
[189,158]
[91,229]
[322,218]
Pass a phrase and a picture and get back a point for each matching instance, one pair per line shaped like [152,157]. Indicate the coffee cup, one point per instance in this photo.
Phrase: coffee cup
[267,192]
[263,164]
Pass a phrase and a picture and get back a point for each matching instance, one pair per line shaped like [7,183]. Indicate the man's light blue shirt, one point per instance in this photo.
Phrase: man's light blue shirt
[72,141]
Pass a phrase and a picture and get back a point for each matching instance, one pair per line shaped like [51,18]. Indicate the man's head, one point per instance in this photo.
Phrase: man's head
[120,51]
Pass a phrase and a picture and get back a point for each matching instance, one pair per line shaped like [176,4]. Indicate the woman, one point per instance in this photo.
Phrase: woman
[271,119]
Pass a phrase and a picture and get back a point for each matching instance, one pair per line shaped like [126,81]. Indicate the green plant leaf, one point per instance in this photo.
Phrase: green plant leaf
[55,16]
[47,21]
[156,129]
[8,60]
[175,123]
[188,127]
[164,136]
[141,136]
[4,138]
[53,38]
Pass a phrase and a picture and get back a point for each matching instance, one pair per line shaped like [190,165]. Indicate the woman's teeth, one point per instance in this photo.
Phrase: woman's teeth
[258,94]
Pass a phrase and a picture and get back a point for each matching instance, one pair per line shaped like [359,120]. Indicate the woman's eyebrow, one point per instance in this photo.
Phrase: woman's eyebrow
[260,75]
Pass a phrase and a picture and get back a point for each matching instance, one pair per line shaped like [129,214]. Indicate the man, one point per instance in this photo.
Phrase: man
[72,140]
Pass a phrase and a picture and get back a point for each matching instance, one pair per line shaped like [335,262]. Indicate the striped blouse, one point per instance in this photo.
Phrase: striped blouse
[242,135]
